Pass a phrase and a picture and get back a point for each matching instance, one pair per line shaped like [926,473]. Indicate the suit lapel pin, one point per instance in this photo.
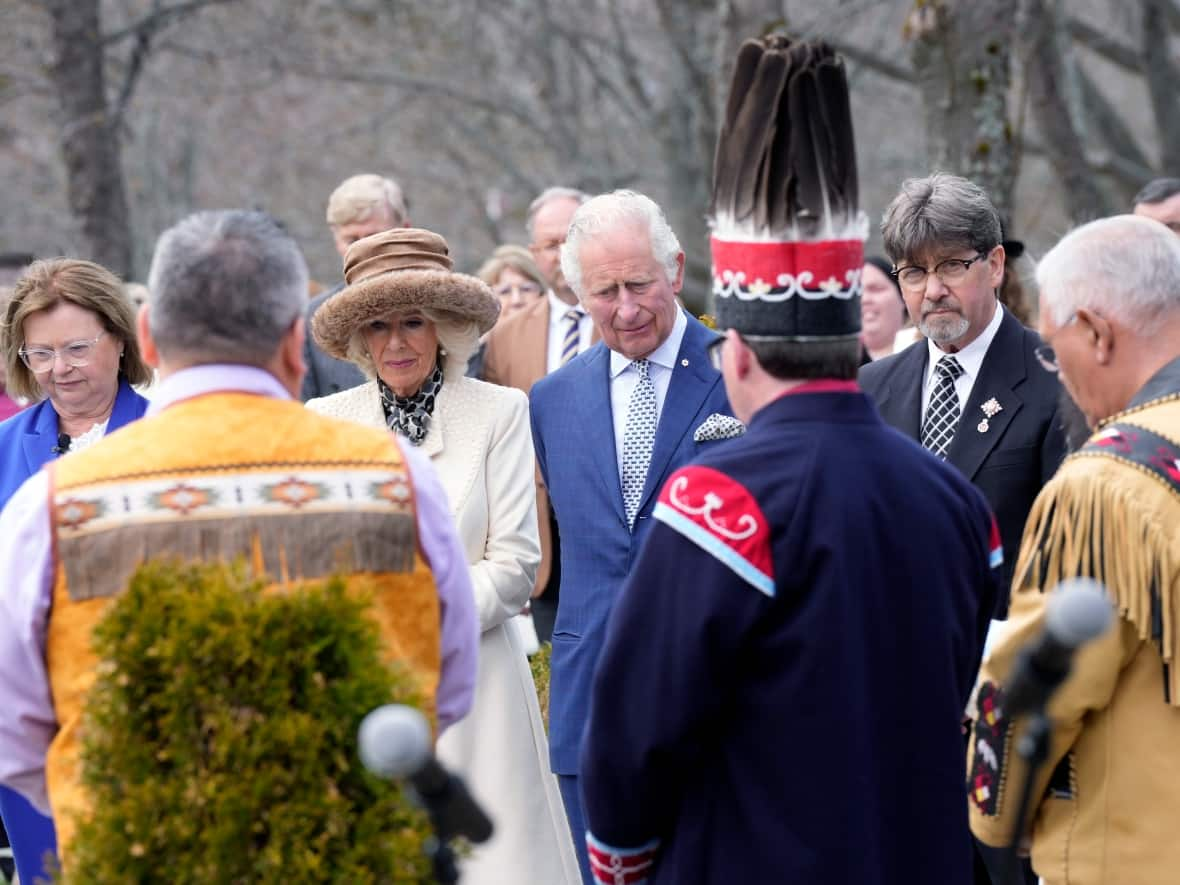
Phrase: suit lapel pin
[990,409]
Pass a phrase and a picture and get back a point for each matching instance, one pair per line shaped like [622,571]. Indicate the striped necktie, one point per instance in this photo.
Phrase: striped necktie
[569,344]
[942,415]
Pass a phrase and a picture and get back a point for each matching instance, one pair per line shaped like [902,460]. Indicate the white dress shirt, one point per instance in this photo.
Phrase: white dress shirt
[624,377]
[970,358]
[557,326]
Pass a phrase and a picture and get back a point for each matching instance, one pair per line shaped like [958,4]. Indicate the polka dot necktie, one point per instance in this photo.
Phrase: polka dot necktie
[638,439]
[942,415]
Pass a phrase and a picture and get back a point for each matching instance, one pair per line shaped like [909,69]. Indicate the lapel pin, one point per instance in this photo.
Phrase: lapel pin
[684,362]
[990,409]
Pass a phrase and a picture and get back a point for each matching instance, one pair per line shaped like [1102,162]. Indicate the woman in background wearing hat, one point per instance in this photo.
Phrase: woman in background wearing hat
[411,324]
[882,309]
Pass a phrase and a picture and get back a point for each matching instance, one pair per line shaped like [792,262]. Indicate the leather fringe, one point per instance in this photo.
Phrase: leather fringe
[286,547]
[1083,524]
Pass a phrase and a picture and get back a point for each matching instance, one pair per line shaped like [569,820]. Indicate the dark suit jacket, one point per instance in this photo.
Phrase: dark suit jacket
[325,374]
[575,442]
[1024,442]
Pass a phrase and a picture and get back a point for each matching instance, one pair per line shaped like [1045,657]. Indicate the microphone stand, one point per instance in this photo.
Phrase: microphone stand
[442,858]
[1033,748]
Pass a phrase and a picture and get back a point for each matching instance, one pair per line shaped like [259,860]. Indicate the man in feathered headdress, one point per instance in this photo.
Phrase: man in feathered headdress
[1106,801]
[780,694]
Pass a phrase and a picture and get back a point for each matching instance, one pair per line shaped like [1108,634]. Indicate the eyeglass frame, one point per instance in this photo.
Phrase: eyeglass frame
[896,272]
[1045,353]
[24,352]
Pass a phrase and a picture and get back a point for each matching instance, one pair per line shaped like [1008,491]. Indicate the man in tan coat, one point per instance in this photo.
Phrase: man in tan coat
[534,342]
[1105,804]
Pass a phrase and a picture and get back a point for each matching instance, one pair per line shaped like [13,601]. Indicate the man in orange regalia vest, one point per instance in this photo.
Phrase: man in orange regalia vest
[227,463]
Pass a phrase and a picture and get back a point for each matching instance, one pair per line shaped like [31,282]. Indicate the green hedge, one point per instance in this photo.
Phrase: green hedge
[220,738]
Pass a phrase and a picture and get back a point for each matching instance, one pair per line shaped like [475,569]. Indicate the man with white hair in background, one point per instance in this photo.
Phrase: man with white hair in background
[608,429]
[362,205]
[1106,801]
[524,348]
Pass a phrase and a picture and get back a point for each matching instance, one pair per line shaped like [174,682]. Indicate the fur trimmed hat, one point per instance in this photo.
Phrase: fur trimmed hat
[395,271]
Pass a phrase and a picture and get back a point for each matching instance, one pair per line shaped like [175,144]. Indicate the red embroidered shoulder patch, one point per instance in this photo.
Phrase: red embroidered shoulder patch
[719,515]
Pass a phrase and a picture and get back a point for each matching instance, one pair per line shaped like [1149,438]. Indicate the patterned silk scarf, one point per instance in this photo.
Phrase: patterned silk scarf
[410,415]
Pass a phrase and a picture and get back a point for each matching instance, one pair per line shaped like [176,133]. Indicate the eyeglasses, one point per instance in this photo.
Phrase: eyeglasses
[1045,353]
[950,271]
[76,354]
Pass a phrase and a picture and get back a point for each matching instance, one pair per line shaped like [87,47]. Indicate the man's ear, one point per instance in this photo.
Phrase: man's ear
[291,350]
[147,345]
[1100,334]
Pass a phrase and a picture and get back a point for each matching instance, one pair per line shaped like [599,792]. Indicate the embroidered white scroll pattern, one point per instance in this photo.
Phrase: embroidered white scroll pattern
[746,526]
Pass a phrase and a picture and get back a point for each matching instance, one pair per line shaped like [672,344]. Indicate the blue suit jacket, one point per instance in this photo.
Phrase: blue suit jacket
[574,438]
[27,440]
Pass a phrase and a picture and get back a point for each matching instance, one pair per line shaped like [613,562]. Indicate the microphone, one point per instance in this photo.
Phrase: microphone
[63,444]
[1078,612]
[394,742]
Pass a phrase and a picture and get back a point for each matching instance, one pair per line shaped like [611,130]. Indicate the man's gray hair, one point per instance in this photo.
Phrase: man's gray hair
[226,287]
[1127,266]
[939,213]
[548,196]
[607,212]
[1157,190]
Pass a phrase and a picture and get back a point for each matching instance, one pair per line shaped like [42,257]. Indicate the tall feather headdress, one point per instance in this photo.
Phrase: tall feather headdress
[788,236]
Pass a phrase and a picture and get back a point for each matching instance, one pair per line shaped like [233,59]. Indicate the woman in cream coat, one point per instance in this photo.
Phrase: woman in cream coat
[411,324]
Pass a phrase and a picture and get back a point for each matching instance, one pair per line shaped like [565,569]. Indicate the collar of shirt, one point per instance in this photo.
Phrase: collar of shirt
[558,309]
[664,355]
[214,378]
[971,356]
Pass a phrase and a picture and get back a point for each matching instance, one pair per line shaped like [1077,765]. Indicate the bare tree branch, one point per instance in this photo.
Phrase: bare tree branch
[1045,70]
[159,17]
[872,61]
[1111,127]
[1101,42]
[628,62]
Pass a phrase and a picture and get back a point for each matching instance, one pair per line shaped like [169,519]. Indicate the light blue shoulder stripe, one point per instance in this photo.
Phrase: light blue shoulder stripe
[611,849]
[996,557]
[715,547]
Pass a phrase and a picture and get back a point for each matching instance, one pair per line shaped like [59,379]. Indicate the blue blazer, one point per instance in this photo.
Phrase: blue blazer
[574,438]
[28,438]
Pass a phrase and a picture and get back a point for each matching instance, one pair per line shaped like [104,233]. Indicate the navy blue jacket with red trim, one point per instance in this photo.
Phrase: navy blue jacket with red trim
[780,694]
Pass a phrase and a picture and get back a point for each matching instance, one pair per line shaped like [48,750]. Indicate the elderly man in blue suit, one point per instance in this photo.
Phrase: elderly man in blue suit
[609,428]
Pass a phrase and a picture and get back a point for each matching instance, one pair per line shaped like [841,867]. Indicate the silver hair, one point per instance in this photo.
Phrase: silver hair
[548,196]
[607,212]
[1127,266]
[358,197]
[226,287]
[458,339]
[939,212]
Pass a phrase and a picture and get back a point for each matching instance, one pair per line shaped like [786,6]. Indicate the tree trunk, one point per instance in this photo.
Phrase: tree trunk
[1159,69]
[961,57]
[89,141]
[1047,89]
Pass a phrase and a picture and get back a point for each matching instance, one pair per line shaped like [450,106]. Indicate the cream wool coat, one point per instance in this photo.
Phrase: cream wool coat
[480,445]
